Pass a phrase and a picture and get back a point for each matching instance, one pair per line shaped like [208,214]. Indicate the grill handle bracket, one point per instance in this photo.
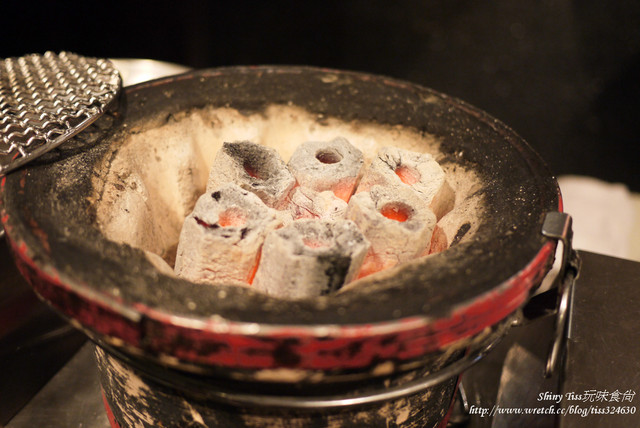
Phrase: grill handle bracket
[557,226]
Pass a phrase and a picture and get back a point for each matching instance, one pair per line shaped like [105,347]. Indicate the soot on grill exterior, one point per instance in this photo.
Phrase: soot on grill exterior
[63,219]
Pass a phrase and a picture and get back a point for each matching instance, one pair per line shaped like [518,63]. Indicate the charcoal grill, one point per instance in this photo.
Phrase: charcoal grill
[248,358]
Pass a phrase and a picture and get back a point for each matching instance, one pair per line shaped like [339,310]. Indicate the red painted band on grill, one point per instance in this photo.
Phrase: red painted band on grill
[333,165]
[392,240]
[221,239]
[310,258]
[255,168]
[393,166]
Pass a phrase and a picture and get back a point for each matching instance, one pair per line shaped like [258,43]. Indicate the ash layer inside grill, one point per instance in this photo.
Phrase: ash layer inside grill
[306,228]
[147,188]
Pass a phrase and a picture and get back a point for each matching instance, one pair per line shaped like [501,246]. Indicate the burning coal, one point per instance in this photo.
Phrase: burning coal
[307,228]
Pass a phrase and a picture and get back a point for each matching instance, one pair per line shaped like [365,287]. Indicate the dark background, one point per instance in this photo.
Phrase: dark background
[564,74]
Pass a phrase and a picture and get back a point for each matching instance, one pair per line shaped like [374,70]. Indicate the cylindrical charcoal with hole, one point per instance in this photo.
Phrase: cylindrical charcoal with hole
[397,223]
[334,165]
[221,239]
[310,258]
[255,168]
[394,166]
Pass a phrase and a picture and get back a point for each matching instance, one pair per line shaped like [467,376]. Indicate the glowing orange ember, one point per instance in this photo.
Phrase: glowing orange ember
[373,263]
[232,217]
[395,212]
[252,273]
[344,189]
[313,243]
[407,175]
[250,170]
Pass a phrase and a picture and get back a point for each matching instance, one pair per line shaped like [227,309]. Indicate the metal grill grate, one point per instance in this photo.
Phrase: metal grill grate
[47,99]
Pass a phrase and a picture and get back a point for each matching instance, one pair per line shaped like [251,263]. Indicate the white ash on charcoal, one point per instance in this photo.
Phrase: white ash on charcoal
[253,167]
[222,238]
[396,221]
[330,236]
[307,203]
[310,258]
[333,165]
[394,167]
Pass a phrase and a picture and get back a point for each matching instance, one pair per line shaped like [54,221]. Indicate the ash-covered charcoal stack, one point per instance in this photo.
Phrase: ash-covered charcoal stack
[306,228]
